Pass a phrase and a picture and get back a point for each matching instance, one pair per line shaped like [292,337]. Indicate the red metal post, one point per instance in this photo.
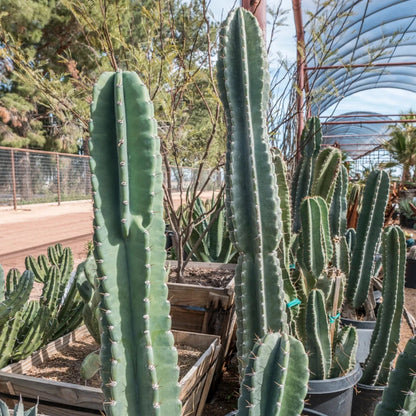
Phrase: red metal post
[13,180]
[301,58]
[258,8]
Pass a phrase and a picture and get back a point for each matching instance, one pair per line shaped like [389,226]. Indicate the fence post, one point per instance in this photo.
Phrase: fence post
[59,179]
[13,180]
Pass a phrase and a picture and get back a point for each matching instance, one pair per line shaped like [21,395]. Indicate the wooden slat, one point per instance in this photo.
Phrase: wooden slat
[184,294]
[45,353]
[91,398]
[186,320]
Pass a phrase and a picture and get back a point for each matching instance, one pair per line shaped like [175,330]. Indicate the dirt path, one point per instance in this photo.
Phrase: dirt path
[30,230]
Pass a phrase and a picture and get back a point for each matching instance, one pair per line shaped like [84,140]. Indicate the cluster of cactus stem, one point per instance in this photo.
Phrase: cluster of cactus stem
[139,369]
[28,325]
[274,368]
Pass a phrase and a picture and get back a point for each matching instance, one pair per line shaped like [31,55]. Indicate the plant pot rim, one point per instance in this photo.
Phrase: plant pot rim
[335,385]
[358,324]
[369,387]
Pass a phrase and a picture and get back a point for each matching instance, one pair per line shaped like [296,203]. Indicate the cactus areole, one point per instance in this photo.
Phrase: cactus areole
[138,359]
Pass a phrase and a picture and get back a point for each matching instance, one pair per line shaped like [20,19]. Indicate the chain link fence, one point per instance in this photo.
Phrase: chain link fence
[31,176]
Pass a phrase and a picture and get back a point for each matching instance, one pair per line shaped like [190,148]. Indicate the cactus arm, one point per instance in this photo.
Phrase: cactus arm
[369,228]
[341,257]
[345,350]
[386,334]
[129,236]
[17,298]
[310,143]
[326,171]
[316,247]
[338,207]
[253,206]
[400,395]
[12,279]
[318,345]
[8,334]
[275,380]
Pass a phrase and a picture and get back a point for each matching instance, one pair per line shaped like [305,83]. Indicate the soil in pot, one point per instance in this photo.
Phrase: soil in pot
[64,366]
[366,399]
[204,276]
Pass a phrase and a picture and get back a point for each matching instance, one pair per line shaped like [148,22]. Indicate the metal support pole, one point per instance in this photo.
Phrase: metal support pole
[13,180]
[58,179]
[259,9]
[300,59]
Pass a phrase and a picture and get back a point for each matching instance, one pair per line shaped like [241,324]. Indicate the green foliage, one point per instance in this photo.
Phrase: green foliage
[18,410]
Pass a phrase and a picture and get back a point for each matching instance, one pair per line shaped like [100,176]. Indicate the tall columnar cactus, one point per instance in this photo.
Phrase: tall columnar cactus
[400,395]
[275,379]
[284,249]
[386,334]
[139,362]
[369,229]
[338,207]
[253,203]
[310,144]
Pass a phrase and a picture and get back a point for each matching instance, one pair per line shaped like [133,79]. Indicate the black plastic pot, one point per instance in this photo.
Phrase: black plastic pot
[310,412]
[333,396]
[365,399]
[410,273]
[305,412]
[364,331]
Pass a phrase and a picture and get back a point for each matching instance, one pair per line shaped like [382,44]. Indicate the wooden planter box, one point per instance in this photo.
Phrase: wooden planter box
[205,309]
[65,399]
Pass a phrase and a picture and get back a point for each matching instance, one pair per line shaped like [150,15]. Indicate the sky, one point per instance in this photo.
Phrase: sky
[384,101]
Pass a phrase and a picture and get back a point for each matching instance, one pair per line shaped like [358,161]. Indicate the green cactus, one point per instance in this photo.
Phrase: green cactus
[275,380]
[139,362]
[284,248]
[8,334]
[368,233]
[318,343]
[338,207]
[400,395]
[86,281]
[386,335]
[325,173]
[310,144]
[253,202]
[344,352]
[16,297]
[315,248]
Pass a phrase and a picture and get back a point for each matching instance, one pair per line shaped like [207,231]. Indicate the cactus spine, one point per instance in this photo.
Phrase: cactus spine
[400,395]
[253,203]
[368,232]
[386,334]
[139,362]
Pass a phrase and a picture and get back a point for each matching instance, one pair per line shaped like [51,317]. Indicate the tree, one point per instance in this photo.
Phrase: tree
[402,147]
